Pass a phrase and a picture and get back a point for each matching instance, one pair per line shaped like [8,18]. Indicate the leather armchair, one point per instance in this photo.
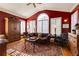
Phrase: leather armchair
[43,38]
[62,40]
[32,36]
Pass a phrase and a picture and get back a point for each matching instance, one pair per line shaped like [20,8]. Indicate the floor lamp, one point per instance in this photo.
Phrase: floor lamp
[55,30]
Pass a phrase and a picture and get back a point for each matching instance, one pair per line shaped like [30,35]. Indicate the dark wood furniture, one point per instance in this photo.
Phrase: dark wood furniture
[12,29]
[73,43]
[3,46]
[78,44]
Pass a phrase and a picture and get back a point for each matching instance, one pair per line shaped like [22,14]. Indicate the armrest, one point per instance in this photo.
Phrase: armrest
[33,37]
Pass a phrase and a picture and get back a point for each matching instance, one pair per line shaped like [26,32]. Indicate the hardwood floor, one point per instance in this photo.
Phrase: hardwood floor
[65,51]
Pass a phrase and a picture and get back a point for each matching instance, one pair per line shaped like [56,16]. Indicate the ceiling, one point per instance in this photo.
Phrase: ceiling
[22,10]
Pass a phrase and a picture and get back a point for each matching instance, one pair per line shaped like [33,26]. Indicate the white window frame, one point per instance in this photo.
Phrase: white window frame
[41,19]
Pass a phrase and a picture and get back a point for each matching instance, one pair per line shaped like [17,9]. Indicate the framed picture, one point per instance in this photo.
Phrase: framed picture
[65,25]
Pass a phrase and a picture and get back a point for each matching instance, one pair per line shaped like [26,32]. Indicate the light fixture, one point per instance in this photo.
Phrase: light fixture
[65,20]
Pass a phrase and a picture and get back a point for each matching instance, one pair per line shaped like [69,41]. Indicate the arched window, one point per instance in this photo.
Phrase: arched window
[43,23]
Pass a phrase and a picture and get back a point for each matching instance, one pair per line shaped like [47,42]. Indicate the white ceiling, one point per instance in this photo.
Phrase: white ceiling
[22,10]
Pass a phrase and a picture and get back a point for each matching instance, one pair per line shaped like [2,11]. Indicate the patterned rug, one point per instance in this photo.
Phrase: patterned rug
[11,52]
[40,50]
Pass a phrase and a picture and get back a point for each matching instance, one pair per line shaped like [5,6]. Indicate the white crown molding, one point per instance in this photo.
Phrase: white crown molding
[73,7]
[11,12]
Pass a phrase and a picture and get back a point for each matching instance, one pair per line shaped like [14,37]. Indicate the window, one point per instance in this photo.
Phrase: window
[74,18]
[28,27]
[43,23]
[22,26]
[31,26]
[56,24]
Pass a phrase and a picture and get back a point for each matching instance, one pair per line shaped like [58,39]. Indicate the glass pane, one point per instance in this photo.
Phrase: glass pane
[33,26]
[58,24]
[52,26]
[42,23]
[45,27]
[30,26]
[74,18]
[43,16]
[22,27]
[39,26]
[27,26]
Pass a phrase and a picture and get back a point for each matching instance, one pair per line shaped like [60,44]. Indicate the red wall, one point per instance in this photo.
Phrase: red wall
[2,21]
[52,14]
[2,25]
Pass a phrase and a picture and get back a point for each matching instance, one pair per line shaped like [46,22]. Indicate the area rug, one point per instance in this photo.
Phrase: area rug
[12,52]
[44,50]
[40,50]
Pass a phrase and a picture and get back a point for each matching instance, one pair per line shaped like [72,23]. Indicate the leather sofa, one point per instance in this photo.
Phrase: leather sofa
[41,38]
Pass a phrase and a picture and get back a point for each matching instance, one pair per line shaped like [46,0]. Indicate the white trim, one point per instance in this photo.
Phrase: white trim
[11,12]
[73,7]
